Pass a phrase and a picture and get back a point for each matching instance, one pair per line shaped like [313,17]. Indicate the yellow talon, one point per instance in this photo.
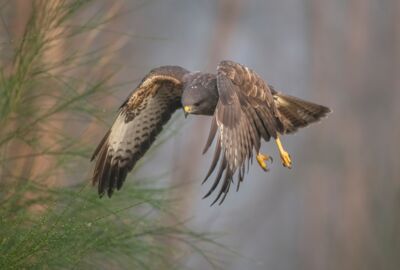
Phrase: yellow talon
[286,161]
[261,158]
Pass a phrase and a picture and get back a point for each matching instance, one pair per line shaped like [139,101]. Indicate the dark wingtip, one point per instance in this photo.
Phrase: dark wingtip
[211,135]
[214,162]
[218,178]
[100,146]
[223,198]
[110,192]
[212,204]
[323,112]
[327,111]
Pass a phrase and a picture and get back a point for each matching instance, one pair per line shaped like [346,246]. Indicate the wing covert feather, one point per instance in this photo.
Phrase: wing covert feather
[245,112]
[140,120]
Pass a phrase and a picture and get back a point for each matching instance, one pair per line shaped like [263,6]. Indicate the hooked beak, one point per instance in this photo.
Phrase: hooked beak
[187,110]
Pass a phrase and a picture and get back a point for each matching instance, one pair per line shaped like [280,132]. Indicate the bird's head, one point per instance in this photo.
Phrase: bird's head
[200,93]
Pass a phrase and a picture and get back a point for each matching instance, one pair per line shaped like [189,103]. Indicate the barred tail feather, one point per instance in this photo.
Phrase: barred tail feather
[296,113]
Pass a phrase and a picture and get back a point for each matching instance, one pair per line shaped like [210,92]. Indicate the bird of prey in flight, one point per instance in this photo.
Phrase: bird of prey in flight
[244,110]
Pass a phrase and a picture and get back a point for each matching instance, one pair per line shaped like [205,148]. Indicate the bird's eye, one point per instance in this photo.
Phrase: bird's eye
[196,104]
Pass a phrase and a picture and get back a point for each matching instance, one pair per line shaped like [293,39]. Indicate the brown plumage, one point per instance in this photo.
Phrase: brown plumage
[140,119]
[248,110]
[244,108]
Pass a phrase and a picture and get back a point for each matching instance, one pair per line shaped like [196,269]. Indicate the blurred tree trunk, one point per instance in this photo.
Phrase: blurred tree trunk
[53,55]
[51,129]
[20,12]
[361,90]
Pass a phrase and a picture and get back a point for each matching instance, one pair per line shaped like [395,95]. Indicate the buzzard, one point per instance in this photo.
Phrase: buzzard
[243,107]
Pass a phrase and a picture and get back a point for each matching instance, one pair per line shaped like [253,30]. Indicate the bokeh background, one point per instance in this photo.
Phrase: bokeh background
[338,207]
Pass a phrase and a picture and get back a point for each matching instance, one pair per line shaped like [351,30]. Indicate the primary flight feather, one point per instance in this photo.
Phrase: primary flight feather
[244,110]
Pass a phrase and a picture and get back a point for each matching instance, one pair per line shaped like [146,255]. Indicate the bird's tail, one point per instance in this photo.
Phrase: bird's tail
[296,113]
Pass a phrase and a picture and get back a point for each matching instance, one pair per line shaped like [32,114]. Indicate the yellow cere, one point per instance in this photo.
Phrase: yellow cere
[187,109]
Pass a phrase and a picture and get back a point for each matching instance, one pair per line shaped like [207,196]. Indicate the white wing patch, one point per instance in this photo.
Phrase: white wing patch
[131,135]
[129,138]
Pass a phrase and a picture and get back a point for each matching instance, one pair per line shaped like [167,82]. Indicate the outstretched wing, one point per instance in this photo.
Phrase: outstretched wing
[140,120]
[245,113]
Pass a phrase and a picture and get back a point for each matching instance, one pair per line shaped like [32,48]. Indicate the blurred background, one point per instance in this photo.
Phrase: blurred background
[338,207]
